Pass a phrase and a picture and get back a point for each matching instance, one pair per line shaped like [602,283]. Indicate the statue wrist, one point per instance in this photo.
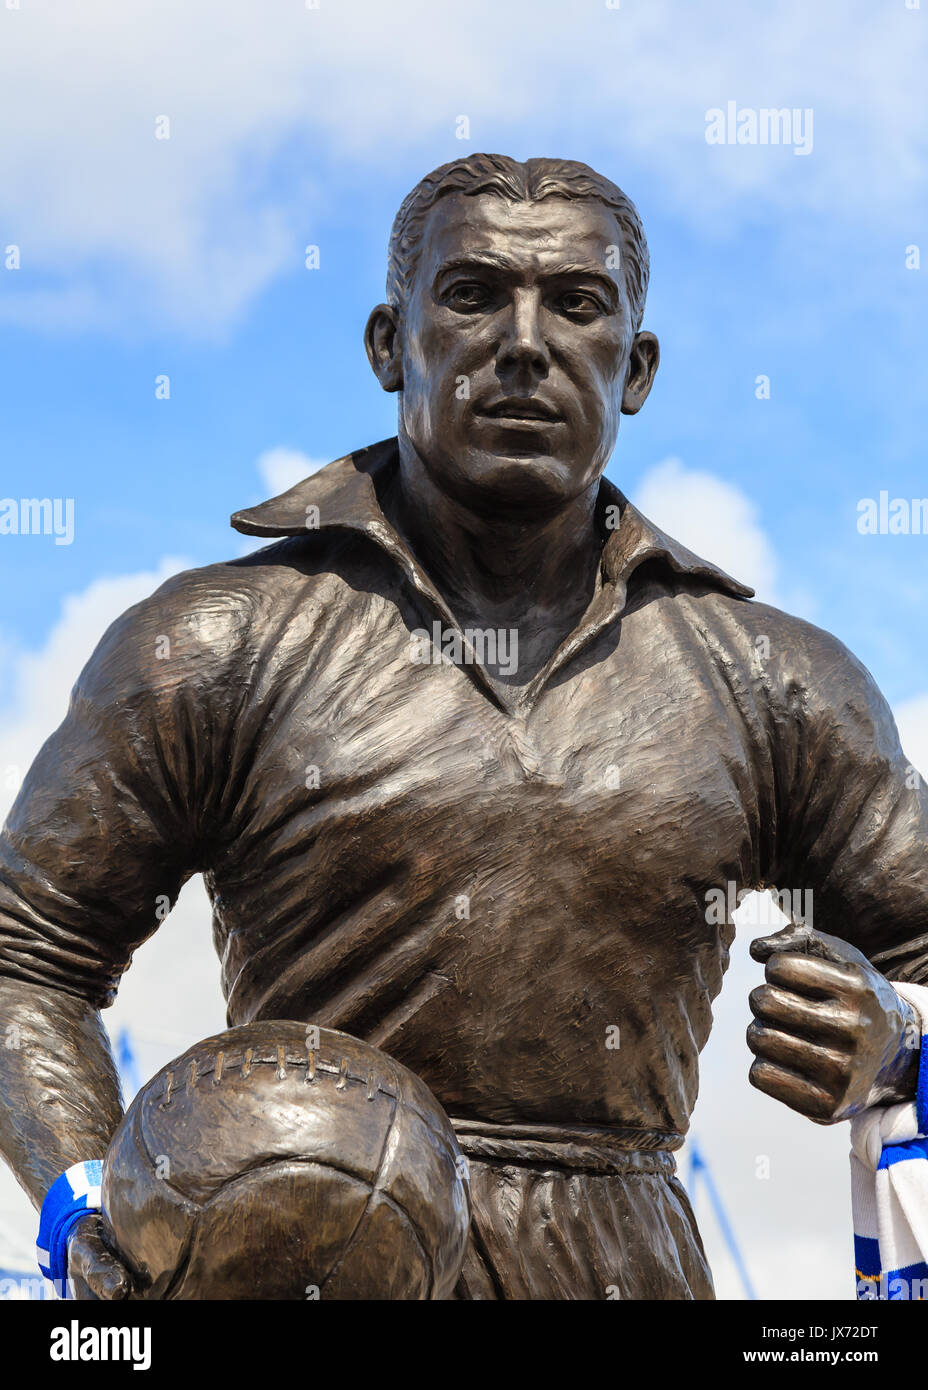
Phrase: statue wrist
[897,1079]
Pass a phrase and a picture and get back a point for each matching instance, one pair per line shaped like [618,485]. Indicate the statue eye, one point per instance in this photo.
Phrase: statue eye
[579,302]
[468,295]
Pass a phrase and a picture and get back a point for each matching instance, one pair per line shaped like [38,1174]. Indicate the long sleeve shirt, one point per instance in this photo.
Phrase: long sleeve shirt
[513,895]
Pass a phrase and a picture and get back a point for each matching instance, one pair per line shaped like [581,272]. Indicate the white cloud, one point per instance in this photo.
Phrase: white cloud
[41,680]
[188,230]
[912,722]
[713,518]
[281,469]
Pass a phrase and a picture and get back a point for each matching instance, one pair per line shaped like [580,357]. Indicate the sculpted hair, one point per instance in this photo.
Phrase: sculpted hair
[502,177]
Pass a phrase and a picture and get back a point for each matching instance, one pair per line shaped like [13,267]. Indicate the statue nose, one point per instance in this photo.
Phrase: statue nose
[524,348]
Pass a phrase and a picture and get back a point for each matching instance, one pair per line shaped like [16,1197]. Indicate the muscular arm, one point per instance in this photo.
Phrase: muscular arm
[60,1094]
[104,832]
[831,1035]
[59,1104]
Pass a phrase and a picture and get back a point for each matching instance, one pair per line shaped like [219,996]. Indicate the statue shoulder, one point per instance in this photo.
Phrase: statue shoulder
[806,673]
[200,627]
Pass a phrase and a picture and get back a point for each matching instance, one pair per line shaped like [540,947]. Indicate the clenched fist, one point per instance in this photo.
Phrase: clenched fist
[830,1034]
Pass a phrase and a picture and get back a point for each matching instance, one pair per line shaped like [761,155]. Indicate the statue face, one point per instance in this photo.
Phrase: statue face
[516,350]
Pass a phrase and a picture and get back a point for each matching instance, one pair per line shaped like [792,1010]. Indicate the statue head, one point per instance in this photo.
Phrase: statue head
[512,328]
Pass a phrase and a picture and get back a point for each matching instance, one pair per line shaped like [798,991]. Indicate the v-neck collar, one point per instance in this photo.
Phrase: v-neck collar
[344,495]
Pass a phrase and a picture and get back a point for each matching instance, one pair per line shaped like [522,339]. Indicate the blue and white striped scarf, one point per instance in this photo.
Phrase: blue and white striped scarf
[889,1185]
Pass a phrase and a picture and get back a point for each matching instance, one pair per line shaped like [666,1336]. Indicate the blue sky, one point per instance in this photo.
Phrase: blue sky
[292,126]
[764,261]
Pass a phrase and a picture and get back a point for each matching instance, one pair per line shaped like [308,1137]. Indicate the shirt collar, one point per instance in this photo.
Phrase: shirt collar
[343,495]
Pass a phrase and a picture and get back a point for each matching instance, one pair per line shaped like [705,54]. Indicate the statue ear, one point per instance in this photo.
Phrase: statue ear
[383,344]
[642,367]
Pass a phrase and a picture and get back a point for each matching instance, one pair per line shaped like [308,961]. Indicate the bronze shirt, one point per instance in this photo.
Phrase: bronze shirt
[511,896]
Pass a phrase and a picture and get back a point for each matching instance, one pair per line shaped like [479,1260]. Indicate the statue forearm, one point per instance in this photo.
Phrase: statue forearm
[59,1091]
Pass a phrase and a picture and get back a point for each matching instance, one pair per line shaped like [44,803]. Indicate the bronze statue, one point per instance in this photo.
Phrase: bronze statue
[462,756]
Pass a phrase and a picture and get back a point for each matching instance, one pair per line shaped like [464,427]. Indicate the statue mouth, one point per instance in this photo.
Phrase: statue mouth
[522,410]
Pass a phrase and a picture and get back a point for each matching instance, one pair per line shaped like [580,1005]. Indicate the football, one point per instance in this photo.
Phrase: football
[281,1160]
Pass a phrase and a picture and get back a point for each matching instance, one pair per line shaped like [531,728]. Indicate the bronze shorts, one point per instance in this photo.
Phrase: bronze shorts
[567,1213]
